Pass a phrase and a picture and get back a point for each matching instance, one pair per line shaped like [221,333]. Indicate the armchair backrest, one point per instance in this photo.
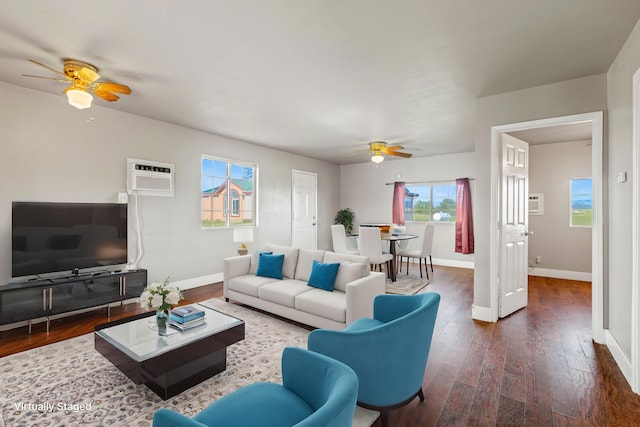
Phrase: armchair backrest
[327,385]
[388,353]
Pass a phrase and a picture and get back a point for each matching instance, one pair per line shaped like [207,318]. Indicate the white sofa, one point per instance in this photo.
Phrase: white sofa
[352,298]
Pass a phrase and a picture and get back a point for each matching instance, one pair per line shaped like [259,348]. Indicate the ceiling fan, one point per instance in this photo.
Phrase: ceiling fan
[83,79]
[378,148]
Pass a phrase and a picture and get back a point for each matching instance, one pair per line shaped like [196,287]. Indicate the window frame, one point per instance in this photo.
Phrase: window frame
[430,201]
[231,205]
[571,209]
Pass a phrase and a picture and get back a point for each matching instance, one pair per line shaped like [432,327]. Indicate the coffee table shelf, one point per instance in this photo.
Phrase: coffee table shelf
[170,364]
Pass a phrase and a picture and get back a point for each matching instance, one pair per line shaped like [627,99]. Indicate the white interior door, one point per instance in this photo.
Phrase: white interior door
[513,274]
[304,233]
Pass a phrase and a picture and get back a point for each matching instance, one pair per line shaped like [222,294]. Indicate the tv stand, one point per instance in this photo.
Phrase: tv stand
[43,298]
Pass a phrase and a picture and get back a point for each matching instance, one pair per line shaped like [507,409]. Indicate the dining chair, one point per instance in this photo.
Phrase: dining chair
[370,246]
[421,250]
[339,237]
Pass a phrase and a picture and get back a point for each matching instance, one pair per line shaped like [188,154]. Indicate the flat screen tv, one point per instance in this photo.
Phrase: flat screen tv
[57,237]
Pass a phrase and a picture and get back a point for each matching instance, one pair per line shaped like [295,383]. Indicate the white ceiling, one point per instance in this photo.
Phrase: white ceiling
[319,78]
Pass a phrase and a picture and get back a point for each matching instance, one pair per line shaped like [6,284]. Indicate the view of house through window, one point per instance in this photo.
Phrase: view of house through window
[581,203]
[430,202]
[227,193]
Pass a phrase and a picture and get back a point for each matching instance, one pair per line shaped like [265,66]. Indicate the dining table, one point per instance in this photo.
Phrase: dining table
[392,239]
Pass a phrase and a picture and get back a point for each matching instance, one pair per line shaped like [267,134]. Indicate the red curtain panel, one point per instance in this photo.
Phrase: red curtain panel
[464,217]
[397,214]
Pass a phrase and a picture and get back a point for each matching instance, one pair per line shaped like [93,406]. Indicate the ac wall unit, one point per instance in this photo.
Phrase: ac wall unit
[149,178]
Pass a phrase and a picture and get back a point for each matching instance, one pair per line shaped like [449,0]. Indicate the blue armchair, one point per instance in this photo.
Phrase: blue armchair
[388,353]
[316,391]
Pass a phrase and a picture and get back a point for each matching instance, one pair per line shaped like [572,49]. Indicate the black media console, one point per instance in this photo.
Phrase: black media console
[46,297]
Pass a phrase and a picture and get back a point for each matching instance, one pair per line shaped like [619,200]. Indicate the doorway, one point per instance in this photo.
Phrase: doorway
[597,252]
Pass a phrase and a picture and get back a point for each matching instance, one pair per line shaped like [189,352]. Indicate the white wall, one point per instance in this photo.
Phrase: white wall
[49,153]
[551,168]
[364,191]
[577,96]
[620,159]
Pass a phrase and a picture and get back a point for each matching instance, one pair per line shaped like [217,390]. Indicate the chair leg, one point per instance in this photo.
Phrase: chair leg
[384,416]
[431,261]
[426,268]
[408,266]
[420,266]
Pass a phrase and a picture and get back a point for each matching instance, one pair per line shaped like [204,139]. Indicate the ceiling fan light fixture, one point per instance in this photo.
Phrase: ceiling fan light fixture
[377,158]
[79,98]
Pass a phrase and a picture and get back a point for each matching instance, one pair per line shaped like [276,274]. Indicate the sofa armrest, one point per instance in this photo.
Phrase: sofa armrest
[360,295]
[235,266]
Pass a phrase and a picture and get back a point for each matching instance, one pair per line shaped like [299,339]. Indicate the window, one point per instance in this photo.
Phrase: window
[430,202]
[228,191]
[581,203]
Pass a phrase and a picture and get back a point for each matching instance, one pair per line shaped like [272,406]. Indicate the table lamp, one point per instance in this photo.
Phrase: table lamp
[242,236]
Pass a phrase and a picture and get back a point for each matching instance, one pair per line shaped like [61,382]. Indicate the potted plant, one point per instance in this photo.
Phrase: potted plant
[345,217]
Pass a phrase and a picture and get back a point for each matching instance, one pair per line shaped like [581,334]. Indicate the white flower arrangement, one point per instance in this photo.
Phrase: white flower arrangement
[160,296]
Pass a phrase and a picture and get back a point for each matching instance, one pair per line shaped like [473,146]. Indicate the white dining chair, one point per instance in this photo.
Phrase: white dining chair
[421,249]
[339,237]
[370,246]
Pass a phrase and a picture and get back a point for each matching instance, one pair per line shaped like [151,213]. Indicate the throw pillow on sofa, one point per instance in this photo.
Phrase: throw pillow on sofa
[270,265]
[253,267]
[323,276]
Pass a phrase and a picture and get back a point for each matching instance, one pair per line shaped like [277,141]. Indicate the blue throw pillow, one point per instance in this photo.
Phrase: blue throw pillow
[270,265]
[323,276]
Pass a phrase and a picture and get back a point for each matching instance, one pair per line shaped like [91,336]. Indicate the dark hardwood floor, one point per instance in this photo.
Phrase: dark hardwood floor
[537,367]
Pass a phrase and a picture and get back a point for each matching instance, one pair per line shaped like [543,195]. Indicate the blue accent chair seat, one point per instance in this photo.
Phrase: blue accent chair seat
[316,391]
[389,352]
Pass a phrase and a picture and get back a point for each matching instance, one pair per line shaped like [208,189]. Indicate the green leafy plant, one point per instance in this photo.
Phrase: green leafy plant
[345,217]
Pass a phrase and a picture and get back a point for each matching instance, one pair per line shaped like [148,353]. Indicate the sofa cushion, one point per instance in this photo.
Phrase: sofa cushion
[270,265]
[330,257]
[330,305]
[348,272]
[283,292]
[290,258]
[253,267]
[305,263]
[248,284]
[323,276]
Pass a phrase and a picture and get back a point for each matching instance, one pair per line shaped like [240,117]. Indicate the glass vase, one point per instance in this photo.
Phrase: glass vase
[162,318]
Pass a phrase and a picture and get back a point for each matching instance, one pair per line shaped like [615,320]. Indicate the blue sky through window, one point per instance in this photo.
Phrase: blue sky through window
[581,193]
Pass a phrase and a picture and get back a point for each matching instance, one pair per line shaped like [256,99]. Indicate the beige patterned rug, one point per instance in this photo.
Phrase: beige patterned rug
[406,284]
[70,384]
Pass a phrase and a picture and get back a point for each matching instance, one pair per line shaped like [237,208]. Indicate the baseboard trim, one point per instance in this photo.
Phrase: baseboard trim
[560,274]
[484,314]
[621,359]
[198,281]
[453,263]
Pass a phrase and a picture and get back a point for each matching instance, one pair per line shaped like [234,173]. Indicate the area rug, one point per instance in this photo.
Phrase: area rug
[406,284]
[70,384]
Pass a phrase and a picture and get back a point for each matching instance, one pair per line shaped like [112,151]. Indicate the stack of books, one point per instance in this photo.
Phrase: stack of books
[186,317]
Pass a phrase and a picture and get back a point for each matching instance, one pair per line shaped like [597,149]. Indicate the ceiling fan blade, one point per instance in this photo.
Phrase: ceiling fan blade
[399,154]
[106,95]
[113,87]
[47,78]
[88,75]
[395,147]
[49,68]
